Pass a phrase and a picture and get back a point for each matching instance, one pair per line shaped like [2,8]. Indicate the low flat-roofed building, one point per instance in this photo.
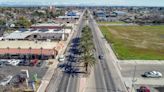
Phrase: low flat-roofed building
[57,26]
[36,49]
[39,34]
[68,17]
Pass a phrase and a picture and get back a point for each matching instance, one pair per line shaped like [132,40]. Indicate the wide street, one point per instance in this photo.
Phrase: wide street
[66,77]
[105,77]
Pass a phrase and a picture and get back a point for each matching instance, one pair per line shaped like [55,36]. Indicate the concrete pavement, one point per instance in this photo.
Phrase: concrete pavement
[147,62]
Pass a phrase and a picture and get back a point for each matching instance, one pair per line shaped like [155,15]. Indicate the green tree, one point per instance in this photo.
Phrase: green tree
[23,22]
[2,22]
[86,48]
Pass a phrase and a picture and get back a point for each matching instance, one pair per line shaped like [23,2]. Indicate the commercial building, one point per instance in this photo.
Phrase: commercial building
[41,41]
[51,32]
[29,49]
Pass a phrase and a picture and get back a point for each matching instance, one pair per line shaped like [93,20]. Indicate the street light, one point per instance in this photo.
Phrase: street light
[133,80]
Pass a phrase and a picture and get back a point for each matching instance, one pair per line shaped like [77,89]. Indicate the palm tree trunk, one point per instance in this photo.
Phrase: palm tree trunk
[86,67]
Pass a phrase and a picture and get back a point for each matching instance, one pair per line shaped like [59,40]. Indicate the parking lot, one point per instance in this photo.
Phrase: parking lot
[39,68]
[129,71]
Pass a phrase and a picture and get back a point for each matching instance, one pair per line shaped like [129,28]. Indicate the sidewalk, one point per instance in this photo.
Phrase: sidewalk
[142,81]
[141,61]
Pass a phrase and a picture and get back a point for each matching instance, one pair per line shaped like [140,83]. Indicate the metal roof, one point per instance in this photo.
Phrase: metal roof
[18,35]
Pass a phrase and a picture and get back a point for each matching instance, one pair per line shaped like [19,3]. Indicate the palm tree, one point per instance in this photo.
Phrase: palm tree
[87,47]
[88,60]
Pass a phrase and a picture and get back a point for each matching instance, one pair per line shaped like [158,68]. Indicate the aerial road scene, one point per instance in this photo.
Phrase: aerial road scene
[81,46]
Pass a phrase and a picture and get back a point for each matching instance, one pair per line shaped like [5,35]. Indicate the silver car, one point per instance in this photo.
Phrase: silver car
[152,74]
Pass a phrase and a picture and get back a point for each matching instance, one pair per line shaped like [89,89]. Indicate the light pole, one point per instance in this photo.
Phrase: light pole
[133,80]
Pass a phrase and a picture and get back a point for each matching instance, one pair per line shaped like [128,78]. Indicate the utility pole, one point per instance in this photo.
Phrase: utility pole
[133,80]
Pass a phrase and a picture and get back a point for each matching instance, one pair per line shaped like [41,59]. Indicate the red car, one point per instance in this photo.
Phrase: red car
[33,62]
[144,89]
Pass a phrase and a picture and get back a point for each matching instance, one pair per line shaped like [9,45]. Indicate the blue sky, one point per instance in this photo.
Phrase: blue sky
[87,2]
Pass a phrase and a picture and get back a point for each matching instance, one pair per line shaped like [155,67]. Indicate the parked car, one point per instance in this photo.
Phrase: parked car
[2,63]
[143,89]
[152,74]
[33,62]
[39,64]
[6,80]
[13,62]
[24,63]
[61,58]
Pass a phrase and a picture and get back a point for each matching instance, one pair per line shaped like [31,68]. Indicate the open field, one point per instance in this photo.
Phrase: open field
[118,22]
[136,42]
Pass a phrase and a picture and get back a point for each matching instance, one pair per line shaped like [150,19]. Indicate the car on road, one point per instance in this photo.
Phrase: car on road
[152,74]
[6,80]
[101,57]
[61,58]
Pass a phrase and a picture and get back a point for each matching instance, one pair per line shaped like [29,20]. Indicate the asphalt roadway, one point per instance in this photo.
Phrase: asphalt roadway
[105,78]
[66,78]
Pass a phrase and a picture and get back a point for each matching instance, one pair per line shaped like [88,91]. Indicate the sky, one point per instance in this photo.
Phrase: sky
[86,2]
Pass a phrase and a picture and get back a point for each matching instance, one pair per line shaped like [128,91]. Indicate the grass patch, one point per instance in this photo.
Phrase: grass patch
[136,42]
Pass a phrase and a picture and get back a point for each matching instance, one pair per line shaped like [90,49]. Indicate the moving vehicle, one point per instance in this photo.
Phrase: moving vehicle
[61,58]
[101,57]
[152,74]
[6,80]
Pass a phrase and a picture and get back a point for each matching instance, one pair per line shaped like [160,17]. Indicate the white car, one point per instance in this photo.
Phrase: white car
[13,62]
[61,58]
[152,74]
[6,80]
